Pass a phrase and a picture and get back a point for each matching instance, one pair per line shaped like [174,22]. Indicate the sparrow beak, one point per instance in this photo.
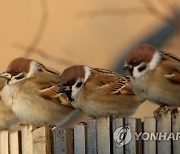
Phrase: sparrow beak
[63,89]
[127,67]
[6,75]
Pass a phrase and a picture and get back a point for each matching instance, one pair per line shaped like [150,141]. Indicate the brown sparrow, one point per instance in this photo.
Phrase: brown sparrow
[155,75]
[31,92]
[99,92]
[7,118]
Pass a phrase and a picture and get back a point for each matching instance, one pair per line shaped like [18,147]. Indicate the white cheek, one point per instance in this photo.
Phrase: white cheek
[155,61]
[33,69]
[13,80]
[151,66]
[75,91]
[87,72]
[137,73]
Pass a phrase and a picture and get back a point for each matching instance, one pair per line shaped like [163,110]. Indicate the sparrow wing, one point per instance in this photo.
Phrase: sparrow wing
[172,66]
[170,56]
[51,94]
[112,82]
[121,86]
[47,87]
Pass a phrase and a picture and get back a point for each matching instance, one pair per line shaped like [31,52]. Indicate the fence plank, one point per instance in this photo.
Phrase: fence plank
[139,129]
[99,139]
[164,126]
[92,136]
[41,141]
[79,139]
[150,127]
[27,140]
[117,123]
[130,148]
[63,141]
[4,142]
[14,142]
[176,129]
[103,135]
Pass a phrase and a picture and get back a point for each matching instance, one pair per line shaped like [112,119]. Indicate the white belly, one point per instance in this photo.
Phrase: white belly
[9,95]
[140,87]
[25,107]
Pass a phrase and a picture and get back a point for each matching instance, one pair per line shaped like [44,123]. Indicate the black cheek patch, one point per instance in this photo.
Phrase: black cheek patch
[19,77]
[142,68]
[79,84]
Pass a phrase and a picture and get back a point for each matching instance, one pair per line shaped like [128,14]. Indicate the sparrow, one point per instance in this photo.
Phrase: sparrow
[8,121]
[99,92]
[155,75]
[31,92]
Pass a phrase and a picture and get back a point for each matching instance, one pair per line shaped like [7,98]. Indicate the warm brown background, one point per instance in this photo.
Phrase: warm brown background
[87,32]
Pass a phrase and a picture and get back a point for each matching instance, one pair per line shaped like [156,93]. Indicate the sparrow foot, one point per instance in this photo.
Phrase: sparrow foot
[164,110]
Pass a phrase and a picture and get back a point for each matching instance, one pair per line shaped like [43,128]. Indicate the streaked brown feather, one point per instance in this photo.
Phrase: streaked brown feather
[49,90]
[170,56]
[50,93]
[115,83]
[171,64]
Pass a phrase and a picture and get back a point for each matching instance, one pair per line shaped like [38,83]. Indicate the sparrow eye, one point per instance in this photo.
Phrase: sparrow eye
[79,84]
[15,72]
[71,82]
[135,63]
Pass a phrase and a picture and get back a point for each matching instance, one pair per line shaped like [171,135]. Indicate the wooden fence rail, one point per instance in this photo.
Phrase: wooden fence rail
[27,140]
[102,136]
[106,135]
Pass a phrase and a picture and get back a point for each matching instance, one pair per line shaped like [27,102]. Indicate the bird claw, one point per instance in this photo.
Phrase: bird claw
[164,110]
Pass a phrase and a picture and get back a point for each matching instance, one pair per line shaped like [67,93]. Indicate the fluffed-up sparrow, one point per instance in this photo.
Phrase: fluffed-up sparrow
[99,92]
[155,75]
[31,92]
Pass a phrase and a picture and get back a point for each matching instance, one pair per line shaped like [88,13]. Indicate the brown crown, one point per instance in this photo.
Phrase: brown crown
[19,64]
[72,73]
[143,53]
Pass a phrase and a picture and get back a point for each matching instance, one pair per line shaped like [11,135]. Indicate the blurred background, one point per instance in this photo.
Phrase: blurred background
[95,33]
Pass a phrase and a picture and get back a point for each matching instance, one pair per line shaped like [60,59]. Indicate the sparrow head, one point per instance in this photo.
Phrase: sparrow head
[72,80]
[142,59]
[20,69]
